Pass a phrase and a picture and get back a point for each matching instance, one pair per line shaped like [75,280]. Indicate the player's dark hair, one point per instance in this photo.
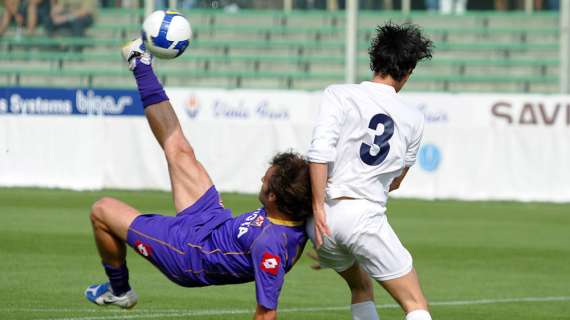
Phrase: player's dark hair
[291,185]
[396,50]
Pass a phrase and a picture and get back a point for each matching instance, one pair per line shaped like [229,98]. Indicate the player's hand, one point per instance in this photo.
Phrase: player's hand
[321,227]
[135,52]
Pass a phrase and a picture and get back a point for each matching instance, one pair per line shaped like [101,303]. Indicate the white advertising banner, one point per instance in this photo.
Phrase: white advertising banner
[236,133]
[502,147]
[475,146]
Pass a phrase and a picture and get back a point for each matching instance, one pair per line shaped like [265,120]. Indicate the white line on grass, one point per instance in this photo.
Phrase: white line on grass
[178,313]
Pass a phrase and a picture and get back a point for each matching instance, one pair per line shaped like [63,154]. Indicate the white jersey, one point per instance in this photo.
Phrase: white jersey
[367,135]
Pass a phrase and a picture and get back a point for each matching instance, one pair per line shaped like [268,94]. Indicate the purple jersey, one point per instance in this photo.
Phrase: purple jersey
[204,245]
[253,247]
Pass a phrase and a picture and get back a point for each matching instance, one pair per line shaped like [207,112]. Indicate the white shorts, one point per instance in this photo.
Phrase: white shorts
[361,233]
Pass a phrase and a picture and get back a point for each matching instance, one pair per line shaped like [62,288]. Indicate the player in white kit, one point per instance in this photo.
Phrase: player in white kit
[364,142]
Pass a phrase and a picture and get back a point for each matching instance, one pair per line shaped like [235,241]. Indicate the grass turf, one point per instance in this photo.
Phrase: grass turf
[476,260]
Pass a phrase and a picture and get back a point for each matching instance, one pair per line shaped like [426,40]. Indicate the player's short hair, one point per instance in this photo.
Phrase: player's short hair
[291,185]
[396,49]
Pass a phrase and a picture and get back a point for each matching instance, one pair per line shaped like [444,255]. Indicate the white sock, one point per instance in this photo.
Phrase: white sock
[364,311]
[418,315]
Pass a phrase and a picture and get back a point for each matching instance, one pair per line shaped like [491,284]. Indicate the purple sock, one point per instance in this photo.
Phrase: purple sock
[150,89]
[119,278]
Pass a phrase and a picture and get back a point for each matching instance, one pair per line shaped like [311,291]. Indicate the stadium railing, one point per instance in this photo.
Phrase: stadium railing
[479,50]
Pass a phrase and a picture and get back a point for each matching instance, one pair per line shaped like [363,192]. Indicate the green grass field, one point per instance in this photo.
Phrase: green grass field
[476,260]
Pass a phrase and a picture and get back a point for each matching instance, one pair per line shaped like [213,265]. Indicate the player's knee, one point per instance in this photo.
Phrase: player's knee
[176,143]
[99,208]
[182,149]
[182,157]
[363,289]
[178,147]
[361,286]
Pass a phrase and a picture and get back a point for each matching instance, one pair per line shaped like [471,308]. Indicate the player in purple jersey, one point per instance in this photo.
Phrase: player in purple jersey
[203,244]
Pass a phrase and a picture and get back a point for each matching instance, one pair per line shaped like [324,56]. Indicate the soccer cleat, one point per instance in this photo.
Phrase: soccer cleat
[135,52]
[102,294]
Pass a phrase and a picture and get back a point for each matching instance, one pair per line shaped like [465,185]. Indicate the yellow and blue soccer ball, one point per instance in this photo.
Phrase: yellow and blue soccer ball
[166,34]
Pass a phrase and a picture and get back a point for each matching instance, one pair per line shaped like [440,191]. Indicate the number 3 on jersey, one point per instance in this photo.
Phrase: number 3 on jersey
[380,141]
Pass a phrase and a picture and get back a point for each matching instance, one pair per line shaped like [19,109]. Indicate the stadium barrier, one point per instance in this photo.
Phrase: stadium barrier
[475,146]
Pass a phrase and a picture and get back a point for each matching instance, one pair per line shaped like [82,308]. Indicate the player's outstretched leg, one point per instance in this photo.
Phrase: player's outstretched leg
[111,219]
[188,177]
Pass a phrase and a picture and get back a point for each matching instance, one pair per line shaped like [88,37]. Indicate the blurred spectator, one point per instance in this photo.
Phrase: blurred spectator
[29,11]
[182,4]
[11,11]
[432,5]
[73,16]
[110,3]
[510,4]
[501,5]
[550,5]
[452,6]
[37,11]
[310,4]
[376,4]
[341,4]
[160,4]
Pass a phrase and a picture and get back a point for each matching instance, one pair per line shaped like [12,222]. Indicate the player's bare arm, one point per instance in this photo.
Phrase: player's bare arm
[395,185]
[318,185]
[325,136]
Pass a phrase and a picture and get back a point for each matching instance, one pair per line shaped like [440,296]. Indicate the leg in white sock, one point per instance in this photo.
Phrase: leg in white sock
[364,311]
[418,315]
[361,292]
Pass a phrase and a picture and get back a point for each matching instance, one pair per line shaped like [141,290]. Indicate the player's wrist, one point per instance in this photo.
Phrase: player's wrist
[318,207]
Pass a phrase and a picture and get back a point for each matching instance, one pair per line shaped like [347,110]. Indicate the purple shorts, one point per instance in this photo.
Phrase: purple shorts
[163,240]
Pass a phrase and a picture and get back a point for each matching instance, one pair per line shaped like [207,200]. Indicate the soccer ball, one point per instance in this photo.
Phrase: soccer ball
[166,34]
